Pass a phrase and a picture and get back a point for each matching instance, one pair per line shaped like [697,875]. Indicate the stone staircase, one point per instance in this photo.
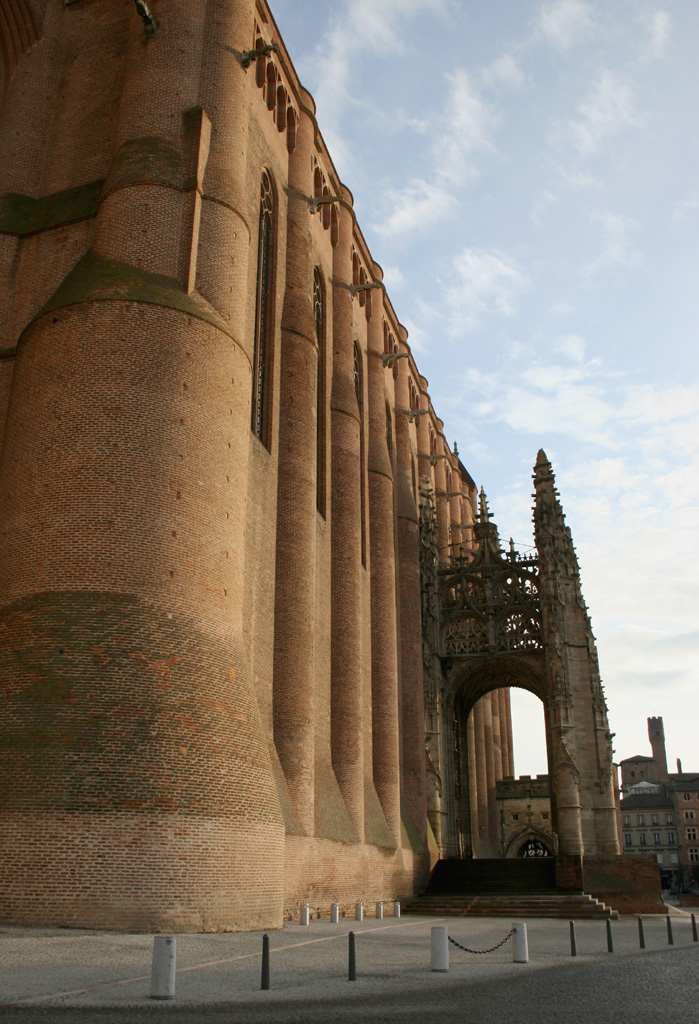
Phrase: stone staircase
[503,888]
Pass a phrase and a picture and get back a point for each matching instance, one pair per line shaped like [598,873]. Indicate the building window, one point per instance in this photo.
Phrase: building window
[687,796]
[654,820]
[656,838]
[669,819]
[627,820]
[262,367]
[691,833]
[642,839]
[545,816]
[671,840]
[674,858]
[359,392]
[659,858]
[321,422]
[515,817]
[694,853]
[689,815]
[640,819]
[627,839]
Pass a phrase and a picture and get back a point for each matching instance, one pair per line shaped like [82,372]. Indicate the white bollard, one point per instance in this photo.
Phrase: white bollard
[440,948]
[162,976]
[359,912]
[396,908]
[334,913]
[379,911]
[520,946]
[304,914]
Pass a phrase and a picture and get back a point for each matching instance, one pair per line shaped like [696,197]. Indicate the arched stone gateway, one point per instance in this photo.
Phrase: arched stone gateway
[496,619]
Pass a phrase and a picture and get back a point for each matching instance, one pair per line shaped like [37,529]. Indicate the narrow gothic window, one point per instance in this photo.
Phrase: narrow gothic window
[359,392]
[263,319]
[321,423]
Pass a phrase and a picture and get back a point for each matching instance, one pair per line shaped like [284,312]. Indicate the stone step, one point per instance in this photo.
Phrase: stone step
[560,906]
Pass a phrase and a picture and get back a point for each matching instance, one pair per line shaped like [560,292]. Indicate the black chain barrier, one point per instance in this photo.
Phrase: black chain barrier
[492,948]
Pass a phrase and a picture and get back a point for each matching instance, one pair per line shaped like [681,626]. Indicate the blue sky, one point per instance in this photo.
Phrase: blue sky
[526,175]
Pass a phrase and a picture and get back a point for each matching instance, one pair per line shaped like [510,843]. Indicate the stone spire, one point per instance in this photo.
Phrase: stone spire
[485,530]
[553,538]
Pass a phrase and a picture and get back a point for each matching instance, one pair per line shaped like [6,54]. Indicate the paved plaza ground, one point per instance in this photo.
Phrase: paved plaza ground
[58,975]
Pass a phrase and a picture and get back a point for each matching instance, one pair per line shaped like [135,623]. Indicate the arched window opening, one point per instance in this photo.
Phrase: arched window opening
[334,225]
[321,394]
[359,392]
[317,183]
[281,108]
[271,85]
[362,281]
[291,129]
[262,368]
[260,62]
[358,376]
[325,209]
[355,269]
[389,432]
[433,443]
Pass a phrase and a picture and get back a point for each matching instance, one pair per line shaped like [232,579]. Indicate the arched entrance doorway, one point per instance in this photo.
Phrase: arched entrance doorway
[495,619]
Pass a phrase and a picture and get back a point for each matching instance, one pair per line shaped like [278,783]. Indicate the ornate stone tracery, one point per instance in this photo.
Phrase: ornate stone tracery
[495,618]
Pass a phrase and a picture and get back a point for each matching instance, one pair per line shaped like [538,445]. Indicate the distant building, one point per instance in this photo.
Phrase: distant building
[660,812]
[524,812]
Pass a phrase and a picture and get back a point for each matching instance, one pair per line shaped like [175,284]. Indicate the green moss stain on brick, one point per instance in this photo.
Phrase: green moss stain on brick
[21,215]
[98,279]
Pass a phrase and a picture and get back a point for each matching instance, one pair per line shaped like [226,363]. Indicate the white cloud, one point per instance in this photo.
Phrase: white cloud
[659,26]
[681,207]
[462,132]
[566,23]
[481,283]
[416,207]
[375,26]
[572,346]
[393,278]
[458,134]
[503,73]
[605,111]
[619,253]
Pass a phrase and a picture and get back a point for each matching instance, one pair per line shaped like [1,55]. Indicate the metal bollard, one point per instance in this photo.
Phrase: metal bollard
[641,937]
[670,940]
[352,974]
[359,912]
[520,946]
[695,937]
[573,946]
[264,984]
[610,941]
[440,948]
[334,913]
[162,977]
[305,918]
[379,911]
[396,908]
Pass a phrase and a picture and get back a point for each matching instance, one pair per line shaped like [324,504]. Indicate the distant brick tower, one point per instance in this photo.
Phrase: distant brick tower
[136,781]
[656,735]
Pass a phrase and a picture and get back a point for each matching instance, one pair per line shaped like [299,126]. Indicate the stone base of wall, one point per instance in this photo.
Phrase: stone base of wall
[689,899]
[630,885]
[321,872]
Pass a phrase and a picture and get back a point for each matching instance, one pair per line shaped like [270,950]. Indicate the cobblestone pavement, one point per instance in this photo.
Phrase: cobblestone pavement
[58,976]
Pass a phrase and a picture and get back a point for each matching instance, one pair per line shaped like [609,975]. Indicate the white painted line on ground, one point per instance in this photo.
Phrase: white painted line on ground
[210,963]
